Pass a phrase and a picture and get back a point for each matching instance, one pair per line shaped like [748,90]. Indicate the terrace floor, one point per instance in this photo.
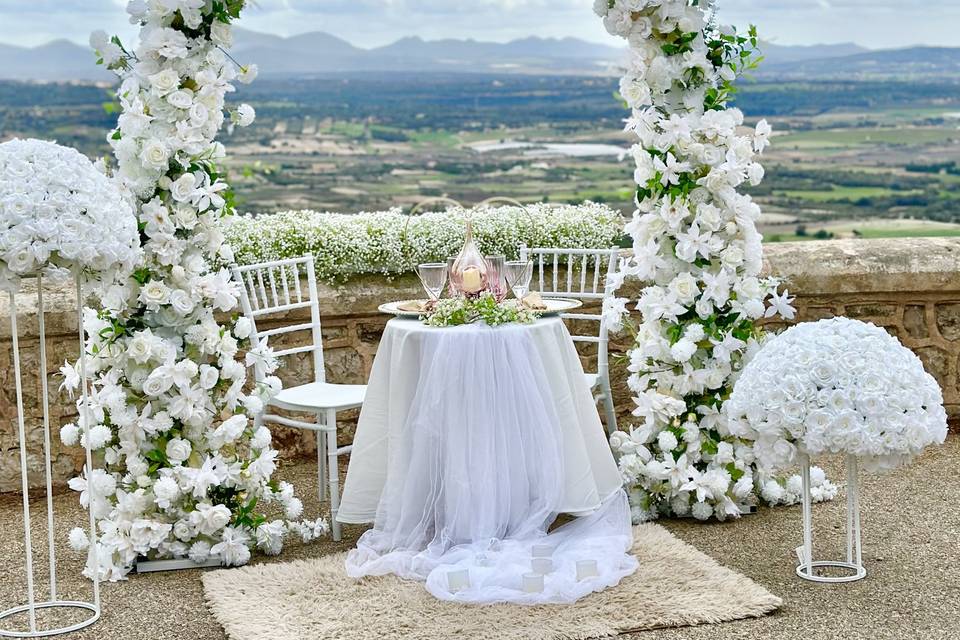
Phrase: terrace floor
[911,524]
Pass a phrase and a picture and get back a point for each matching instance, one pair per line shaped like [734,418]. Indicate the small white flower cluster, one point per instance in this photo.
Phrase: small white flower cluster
[390,243]
[697,248]
[460,310]
[837,386]
[184,463]
[59,216]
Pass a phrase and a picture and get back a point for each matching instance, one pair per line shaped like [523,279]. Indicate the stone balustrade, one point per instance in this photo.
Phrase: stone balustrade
[911,287]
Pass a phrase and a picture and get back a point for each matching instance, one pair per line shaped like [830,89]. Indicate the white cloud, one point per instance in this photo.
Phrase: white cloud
[875,23]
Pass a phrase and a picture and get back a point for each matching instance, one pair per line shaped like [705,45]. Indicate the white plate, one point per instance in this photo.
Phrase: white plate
[559,305]
[393,308]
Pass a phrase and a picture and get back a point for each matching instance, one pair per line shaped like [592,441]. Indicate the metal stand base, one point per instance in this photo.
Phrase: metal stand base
[149,566]
[33,605]
[854,562]
[57,604]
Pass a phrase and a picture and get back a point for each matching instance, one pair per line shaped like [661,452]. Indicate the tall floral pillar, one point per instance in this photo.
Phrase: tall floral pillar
[697,248]
[186,466]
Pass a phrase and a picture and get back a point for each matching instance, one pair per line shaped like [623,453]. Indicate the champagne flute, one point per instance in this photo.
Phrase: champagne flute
[433,277]
[518,274]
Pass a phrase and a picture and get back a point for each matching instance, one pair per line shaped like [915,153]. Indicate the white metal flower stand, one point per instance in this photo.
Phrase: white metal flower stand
[854,562]
[32,606]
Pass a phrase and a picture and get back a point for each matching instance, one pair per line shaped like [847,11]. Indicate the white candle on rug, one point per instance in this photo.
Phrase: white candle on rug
[533,583]
[587,569]
[458,580]
[543,566]
[541,551]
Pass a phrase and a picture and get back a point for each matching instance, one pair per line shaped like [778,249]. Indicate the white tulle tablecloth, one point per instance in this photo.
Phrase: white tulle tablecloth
[470,442]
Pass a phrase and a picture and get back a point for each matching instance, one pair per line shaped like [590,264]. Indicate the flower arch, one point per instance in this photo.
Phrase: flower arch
[697,248]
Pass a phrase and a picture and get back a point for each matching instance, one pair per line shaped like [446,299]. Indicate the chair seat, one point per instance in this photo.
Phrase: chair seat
[592,379]
[320,395]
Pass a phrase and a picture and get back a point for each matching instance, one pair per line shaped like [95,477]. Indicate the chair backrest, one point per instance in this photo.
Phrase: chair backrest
[582,274]
[275,287]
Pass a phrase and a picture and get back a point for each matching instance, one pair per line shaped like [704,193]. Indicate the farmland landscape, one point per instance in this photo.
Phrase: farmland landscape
[854,155]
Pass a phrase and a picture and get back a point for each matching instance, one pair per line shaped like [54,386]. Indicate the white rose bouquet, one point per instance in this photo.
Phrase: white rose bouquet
[59,216]
[837,386]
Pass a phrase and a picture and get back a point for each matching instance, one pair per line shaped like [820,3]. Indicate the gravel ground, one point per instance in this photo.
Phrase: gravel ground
[911,524]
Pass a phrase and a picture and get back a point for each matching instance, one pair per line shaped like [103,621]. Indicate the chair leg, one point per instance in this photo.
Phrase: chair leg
[322,465]
[333,469]
[608,406]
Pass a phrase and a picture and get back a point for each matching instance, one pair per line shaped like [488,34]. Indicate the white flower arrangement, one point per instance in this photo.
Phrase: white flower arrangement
[837,386]
[391,243]
[460,310]
[696,246]
[184,464]
[60,216]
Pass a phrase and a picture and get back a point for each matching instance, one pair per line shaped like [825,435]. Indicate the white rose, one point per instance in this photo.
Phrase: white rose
[243,328]
[178,450]
[261,438]
[164,82]
[209,519]
[208,376]
[245,115]
[232,427]
[181,99]
[221,33]
[683,350]
[154,294]
[155,155]
[181,301]
[158,382]
[139,348]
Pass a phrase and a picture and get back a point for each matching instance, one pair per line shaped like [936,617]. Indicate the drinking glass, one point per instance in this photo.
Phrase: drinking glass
[451,277]
[518,274]
[496,280]
[433,277]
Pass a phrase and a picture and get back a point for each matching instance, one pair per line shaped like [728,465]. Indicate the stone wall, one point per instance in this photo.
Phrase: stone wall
[910,287]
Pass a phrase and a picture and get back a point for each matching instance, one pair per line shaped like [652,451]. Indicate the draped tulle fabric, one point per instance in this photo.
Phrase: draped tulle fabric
[478,477]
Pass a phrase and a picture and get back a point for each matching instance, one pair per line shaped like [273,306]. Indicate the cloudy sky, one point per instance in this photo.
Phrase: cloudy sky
[873,23]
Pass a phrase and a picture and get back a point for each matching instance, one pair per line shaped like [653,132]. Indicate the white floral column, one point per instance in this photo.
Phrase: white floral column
[697,248]
[185,467]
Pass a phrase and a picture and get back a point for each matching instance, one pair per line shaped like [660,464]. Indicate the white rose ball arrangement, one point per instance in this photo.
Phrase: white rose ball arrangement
[59,215]
[837,386]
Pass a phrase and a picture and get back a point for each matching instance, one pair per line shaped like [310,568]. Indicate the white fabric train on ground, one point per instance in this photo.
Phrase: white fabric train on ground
[472,440]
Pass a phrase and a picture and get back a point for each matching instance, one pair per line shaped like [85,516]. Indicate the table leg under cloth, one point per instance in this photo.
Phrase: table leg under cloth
[477,476]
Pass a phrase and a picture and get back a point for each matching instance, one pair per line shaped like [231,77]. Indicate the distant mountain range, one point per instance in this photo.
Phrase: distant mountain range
[320,53]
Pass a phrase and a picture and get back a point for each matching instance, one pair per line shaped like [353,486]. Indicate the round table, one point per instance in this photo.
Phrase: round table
[470,441]
[406,354]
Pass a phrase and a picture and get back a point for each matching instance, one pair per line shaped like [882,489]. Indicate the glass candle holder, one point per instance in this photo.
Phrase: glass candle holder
[587,569]
[533,583]
[541,551]
[458,580]
[543,566]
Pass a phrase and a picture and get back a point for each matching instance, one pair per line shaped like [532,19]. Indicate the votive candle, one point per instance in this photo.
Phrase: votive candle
[458,580]
[541,551]
[587,569]
[533,583]
[543,566]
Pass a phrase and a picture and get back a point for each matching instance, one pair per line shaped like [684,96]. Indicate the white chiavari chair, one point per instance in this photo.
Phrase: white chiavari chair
[581,274]
[271,288]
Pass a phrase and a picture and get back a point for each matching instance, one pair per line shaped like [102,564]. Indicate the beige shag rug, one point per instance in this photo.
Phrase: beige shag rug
[676,585]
